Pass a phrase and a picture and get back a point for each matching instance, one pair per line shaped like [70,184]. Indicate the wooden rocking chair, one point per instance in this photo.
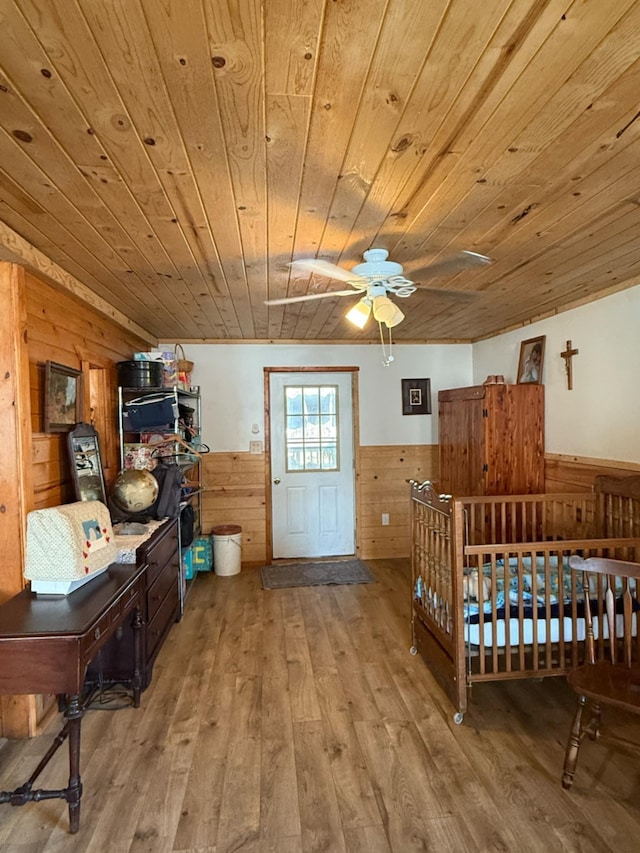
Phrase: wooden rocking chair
[610,674]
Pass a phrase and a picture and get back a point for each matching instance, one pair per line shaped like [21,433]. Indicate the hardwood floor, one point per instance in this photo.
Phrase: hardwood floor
[296,720]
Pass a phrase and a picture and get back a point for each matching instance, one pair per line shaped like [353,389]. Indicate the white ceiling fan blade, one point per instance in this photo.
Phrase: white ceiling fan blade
[455,263]
[286,300]
[327,269]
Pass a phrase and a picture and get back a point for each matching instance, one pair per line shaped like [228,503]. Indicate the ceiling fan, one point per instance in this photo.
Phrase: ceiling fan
[374,280]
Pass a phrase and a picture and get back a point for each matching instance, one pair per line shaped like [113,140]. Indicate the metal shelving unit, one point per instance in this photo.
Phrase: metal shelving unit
[178,440]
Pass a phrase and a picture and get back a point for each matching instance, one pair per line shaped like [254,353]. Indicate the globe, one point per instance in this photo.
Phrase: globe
[134,490]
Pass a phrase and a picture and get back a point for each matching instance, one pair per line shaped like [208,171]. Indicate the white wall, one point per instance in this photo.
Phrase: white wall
[600,417]
[232,387]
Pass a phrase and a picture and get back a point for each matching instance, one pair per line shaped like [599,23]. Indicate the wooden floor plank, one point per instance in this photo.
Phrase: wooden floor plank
[320,648]
[304,700]
[295,720]
[278,786]
[358,692]
[355,796]
[240,807]
[401,804]
[198,825]
[317,799]
[367,839]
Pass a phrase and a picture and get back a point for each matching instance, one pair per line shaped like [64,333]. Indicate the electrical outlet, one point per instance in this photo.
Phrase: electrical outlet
[255,447]
[385,519]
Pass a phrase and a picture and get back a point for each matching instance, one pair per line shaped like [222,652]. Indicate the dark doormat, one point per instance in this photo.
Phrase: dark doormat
[314,574]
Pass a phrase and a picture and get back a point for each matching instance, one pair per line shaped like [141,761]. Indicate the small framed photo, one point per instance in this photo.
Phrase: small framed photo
[62,397]
[416,396]
[531,361]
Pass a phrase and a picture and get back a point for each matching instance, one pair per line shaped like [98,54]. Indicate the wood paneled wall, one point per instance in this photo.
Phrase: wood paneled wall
[234,493]
[15,433]
[66,330]
[578,473]
[383,488]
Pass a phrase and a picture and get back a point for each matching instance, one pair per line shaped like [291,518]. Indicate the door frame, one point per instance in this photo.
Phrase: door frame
[268,371]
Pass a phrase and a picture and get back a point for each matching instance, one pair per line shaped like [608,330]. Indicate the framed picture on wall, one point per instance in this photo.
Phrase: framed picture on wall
[531,361]
[416,396]
[62,397]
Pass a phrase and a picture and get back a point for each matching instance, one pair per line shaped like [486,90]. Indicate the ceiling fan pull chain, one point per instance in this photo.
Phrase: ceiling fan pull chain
[387,358]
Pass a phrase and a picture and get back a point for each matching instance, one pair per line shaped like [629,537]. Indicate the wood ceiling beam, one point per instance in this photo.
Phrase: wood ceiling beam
[15,249]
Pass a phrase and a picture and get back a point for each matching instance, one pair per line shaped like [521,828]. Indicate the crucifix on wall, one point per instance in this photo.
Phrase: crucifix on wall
[568,354]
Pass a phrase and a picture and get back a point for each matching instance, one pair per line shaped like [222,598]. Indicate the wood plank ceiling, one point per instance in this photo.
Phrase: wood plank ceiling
[174,155]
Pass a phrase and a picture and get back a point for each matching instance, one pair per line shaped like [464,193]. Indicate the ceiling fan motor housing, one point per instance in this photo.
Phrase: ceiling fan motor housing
[376,266]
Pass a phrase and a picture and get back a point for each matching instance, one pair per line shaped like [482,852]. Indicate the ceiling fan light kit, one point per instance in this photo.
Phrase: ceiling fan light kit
[359,314]
[384,311]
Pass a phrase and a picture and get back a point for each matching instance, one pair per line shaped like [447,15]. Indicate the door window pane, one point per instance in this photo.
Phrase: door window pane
[311,428]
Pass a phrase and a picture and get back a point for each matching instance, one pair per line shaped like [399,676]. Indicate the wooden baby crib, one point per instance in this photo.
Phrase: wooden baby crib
[493,596]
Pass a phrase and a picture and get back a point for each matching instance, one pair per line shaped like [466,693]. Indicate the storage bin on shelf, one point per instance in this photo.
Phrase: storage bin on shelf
[167,361]
[140,374]
[187,563]
[202,548]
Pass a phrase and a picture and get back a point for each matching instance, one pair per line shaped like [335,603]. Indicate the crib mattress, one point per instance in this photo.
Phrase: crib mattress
[490,634]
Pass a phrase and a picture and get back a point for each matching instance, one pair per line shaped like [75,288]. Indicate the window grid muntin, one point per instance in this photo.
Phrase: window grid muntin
[311,412]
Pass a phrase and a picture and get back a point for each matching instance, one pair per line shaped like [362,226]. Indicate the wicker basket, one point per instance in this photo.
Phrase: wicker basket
[183,364]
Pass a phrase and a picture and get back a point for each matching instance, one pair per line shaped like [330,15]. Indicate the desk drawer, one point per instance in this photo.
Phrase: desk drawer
[126,603]
[109,621]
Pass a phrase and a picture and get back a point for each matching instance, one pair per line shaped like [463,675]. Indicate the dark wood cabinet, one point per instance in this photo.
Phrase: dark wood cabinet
[161,555]
[161,608]
[491,440]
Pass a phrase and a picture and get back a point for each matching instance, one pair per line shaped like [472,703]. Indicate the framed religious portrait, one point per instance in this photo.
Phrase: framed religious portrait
[531,361]
[62,397]
[416,396]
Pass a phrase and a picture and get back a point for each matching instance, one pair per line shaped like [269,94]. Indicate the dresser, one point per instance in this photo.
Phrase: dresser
[491,440]
[159,557]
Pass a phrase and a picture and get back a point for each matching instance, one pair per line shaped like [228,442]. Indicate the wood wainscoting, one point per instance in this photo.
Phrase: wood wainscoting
[235,493]
[563,473]
[383,488]
[235,483]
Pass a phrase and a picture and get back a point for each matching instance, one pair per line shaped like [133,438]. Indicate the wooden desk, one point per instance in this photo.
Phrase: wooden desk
[46,644]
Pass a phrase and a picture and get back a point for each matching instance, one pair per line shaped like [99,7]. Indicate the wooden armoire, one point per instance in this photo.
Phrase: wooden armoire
[491,440]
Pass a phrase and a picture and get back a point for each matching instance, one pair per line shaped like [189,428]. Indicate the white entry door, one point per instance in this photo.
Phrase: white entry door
[312,465]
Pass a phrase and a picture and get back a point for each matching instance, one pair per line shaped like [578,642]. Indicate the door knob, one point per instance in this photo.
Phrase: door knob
[276,480]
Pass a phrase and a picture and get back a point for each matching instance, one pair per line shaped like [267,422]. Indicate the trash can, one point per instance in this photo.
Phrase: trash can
[227,547]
